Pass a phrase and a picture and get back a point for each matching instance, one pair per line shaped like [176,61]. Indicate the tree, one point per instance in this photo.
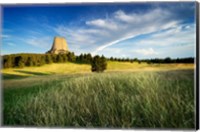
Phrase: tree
[81,58]
[111,58]
[19,62]
[7,61]
[135,59]
[71,57]
[167,60]
[48,59]
[65,59]
[54,57]
[41,60]
[29,61]
[99,64]
[88,58]
[59,58]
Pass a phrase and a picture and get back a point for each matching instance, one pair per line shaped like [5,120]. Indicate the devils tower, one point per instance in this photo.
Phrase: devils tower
[59,46]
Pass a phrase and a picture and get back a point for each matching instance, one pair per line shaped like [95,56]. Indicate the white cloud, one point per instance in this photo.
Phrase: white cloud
[78,37]
[42,42]
[107,24]
[148,51]
[174,42]
[110,44]
[138,24]
[120,26]
[176,36]
[124,17]
[154,15]
[97,35]
[4,36]
[11,44]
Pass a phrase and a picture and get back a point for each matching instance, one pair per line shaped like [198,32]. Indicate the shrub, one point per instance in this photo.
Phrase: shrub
[99,64]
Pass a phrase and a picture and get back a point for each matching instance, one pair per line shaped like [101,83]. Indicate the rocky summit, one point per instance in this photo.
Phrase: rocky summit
[59,46]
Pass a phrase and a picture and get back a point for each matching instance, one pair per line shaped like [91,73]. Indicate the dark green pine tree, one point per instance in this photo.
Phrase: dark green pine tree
[48,59]
[99,64]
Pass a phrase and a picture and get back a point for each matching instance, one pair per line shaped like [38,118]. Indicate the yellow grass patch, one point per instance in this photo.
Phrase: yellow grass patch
[127,66]
[58,68]
[71,68]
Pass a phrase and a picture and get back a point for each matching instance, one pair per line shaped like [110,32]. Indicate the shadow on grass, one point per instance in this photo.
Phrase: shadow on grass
[31,73]
[6,76]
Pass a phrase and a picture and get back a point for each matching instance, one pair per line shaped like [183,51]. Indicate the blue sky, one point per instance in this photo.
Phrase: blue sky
[142,30]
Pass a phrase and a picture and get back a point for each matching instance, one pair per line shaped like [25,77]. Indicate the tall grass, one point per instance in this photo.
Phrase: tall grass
[136,100]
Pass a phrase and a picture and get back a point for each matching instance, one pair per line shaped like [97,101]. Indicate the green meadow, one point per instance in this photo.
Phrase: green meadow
[126,95]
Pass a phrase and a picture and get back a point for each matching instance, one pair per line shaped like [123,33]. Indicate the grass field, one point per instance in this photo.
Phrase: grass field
[126,95]
[66,68]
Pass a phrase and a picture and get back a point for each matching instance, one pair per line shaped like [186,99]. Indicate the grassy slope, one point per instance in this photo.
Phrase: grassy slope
[113,99]
[138,99]
[35,75]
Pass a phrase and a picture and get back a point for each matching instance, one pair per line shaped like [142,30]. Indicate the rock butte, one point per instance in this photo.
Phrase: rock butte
[59,46]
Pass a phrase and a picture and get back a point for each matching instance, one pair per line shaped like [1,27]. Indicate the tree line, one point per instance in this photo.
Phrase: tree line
[22,60]
[155,60]
[98,63]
